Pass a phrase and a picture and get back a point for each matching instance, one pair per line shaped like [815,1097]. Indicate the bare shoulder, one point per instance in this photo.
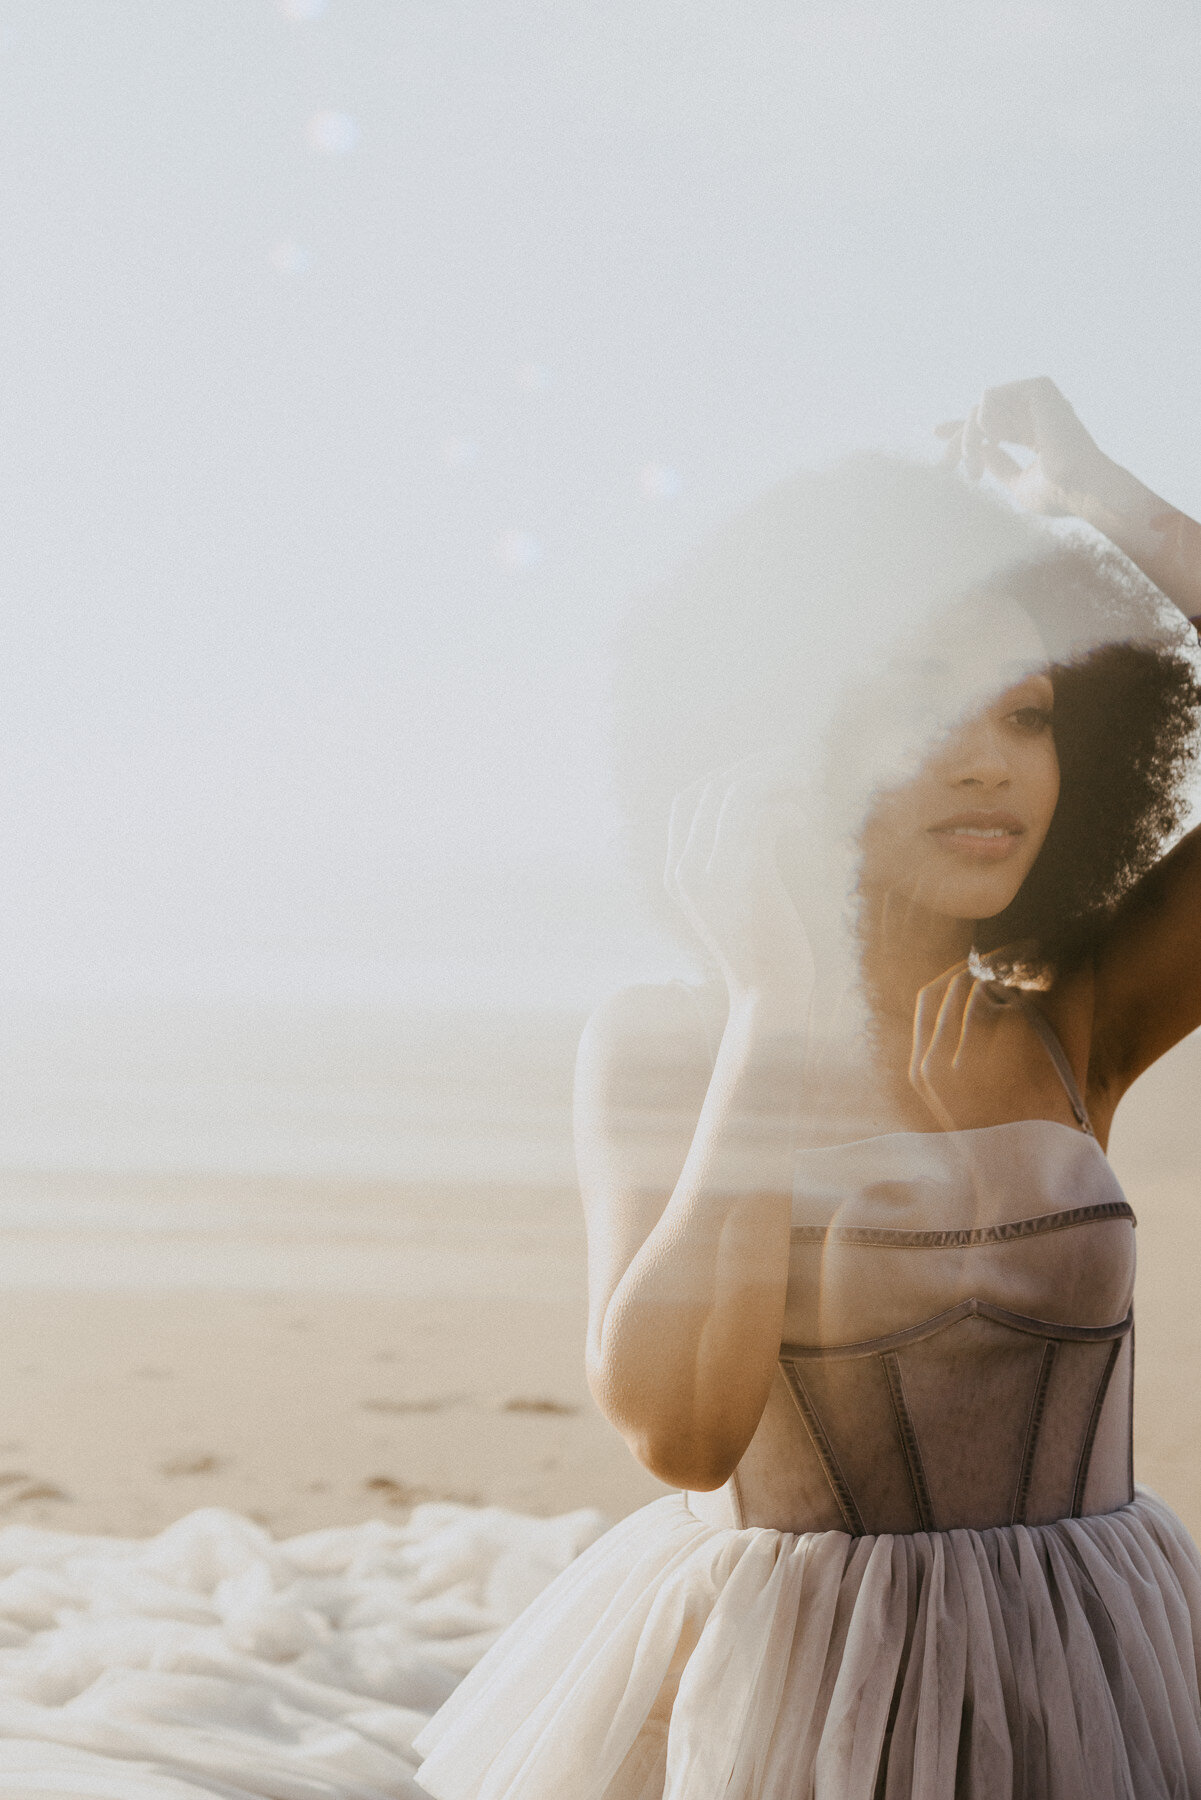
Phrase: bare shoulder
[645,1061]
[1069,1007]
[674,1023]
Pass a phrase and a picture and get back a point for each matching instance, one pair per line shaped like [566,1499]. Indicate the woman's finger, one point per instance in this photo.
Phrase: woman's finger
[927,1015]
[753,813]
[998,462]
[949,428]
[1025,412]
[948,1026]
[924,1014]
[699,842]
[984,1008]
[748,830]
[923,1074]
[1005,415]
[694,834]
[742,794]
[679,824]
[945,1030]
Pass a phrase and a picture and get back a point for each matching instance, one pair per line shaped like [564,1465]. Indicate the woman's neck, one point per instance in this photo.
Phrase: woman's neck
[904,947]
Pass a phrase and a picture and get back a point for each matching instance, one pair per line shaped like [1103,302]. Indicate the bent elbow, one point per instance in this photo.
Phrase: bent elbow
[696,1468]
[697,1455]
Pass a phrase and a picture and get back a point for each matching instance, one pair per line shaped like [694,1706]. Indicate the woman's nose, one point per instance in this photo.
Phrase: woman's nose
[976,758]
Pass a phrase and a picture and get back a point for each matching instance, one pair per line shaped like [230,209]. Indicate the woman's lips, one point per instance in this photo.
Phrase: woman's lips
[980,836]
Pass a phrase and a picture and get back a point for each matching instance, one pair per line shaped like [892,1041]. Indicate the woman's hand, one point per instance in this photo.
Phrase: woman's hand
[1066,470]
[688,1276]
[977,1058]
[723,872]
[1068,475]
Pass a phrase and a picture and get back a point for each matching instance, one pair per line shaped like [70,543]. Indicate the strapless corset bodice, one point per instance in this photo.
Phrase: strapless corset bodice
[958,1339]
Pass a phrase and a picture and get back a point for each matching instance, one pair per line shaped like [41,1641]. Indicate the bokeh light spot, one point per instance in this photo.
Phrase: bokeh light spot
[534,377]
[332,133]
[458,452]
[659,481]
[290,258]
[518,550]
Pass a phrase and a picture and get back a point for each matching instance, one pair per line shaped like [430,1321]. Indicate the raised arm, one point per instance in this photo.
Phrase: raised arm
[686,1162]
[1068,475]
[1147,986]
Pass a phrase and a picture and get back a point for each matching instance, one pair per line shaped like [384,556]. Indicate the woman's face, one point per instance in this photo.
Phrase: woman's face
[962,835]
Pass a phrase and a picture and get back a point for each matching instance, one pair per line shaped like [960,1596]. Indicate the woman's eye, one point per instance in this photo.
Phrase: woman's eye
[1031,719]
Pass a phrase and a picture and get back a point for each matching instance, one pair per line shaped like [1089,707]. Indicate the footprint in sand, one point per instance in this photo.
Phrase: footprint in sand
[25,1487]
[396,1493]
[434,1403]
[520,1405]
[400,1493]
[203,1464]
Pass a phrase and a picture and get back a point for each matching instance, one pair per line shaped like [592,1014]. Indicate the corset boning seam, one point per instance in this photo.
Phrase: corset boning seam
[884,1352]
[1130,1421]
[967,1237]
[836,1481]
[1037,1408]
[1086,1453]
[910,1448]
[966,1309]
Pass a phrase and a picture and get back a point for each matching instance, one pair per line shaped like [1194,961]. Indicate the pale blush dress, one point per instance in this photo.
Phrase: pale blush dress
[931,1576]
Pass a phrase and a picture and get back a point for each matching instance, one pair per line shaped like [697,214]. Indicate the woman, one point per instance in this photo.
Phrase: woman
[860,1274]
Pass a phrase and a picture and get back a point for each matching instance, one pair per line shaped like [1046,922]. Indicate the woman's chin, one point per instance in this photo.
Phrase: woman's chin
[974,900]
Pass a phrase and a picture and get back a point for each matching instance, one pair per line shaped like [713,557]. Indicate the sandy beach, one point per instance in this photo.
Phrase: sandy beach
[313,1353]
[123,1411]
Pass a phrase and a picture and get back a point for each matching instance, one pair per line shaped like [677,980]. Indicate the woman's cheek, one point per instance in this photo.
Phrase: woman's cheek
[1050,793]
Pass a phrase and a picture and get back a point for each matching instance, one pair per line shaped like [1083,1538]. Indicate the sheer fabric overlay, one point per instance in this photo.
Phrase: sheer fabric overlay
[680,1660]
[212,1660]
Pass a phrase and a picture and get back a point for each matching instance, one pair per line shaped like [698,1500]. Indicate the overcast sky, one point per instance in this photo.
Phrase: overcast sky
[361,360]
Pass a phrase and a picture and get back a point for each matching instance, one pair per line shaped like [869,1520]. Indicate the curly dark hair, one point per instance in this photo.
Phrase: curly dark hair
[1125,726]
[716,665]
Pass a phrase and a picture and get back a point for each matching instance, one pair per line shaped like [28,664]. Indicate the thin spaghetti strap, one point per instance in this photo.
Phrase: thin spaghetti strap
[1063,1067]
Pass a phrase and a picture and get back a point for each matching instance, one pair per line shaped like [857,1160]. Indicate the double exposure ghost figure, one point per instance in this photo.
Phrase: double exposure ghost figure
[861,1277]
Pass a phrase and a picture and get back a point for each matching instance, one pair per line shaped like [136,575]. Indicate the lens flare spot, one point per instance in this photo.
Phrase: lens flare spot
[518,550]
[332,133]
[534,377]
[659,481]
[458,452]
[290,258]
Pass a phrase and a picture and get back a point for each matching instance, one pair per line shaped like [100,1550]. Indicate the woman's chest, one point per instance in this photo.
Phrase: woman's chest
[894,1230]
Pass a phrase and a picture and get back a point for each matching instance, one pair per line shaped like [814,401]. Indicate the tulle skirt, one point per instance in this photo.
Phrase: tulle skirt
[675,1660]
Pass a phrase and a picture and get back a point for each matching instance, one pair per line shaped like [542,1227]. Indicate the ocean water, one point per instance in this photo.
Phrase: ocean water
[399,1150]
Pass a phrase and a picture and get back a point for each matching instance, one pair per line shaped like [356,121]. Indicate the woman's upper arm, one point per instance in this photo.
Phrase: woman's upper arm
[642,1073]
[1148,970]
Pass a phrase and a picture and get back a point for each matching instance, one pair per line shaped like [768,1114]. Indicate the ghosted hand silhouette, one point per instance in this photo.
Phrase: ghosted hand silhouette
[1034,415]
[723,871]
